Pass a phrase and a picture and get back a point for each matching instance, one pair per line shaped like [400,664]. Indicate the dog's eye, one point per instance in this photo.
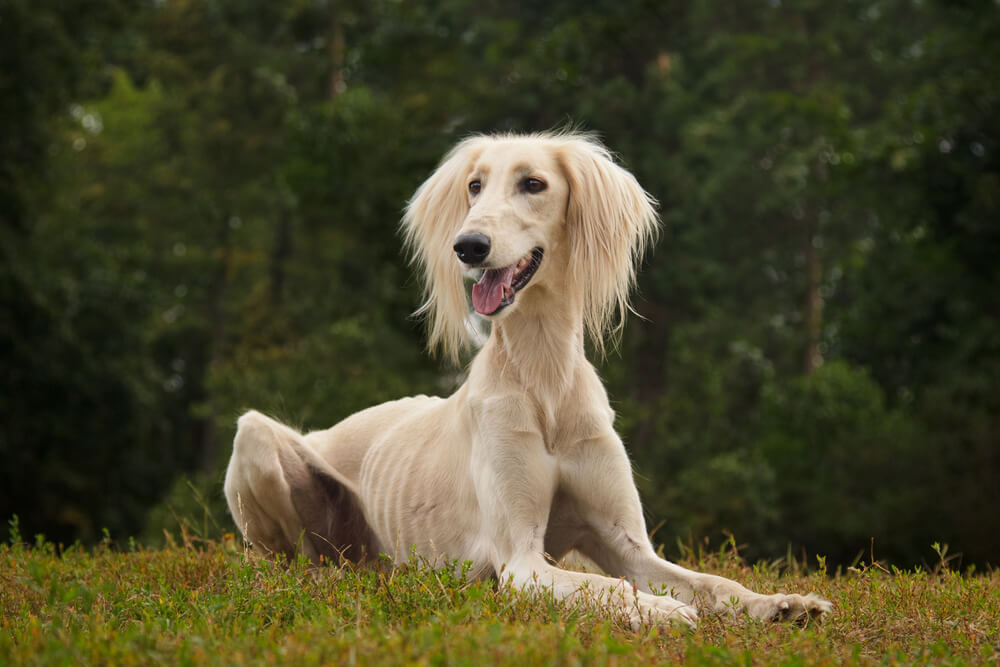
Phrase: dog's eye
[475,187]
[533,185]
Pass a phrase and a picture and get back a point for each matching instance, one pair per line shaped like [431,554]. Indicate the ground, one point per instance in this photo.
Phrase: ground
[212,602]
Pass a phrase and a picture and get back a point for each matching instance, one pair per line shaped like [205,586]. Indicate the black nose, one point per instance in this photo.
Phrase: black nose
[472,248]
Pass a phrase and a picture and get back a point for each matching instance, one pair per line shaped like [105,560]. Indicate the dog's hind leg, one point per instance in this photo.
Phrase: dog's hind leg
[285,498]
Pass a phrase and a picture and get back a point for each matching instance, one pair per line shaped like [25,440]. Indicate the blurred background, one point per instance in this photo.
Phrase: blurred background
[199,203]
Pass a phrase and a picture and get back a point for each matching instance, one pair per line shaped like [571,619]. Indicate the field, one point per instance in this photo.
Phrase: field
[211,602]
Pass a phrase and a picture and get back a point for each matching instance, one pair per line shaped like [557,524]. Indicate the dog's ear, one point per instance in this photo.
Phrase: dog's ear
[610,222]
[432,219]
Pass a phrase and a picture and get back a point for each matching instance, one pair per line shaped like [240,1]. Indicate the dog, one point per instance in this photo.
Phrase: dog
[521,464]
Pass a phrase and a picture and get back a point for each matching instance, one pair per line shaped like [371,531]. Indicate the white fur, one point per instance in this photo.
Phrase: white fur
[522,463]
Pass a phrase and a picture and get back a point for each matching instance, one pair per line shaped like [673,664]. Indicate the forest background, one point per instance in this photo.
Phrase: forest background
[199,203]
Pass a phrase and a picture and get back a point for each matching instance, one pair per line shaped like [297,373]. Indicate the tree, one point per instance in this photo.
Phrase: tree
[203,219]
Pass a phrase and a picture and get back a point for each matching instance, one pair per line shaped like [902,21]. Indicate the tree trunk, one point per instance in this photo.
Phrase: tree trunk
[814,302]
[337,83]
[279,258]
[217,329]
[650,367]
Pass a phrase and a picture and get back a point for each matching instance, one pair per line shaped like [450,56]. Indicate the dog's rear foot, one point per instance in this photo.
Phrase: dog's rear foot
[784,608]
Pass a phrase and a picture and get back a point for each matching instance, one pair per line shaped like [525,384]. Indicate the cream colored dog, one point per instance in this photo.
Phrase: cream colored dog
[522,464]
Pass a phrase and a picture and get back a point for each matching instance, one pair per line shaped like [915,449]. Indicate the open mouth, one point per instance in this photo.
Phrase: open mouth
[496,289]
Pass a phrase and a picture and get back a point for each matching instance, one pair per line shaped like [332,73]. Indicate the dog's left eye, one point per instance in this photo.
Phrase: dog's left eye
[533,185]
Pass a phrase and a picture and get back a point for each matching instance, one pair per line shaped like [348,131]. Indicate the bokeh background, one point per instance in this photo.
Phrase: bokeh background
[199,203]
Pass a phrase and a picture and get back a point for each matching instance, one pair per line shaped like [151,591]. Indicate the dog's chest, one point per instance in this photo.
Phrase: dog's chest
[570,422]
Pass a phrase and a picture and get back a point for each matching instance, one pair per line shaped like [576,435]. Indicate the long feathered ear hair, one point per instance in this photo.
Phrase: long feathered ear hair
[610,221]
[432,219]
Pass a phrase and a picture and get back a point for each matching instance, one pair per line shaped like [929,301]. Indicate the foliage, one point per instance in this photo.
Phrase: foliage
[198,210]
[843,458]
[208,603]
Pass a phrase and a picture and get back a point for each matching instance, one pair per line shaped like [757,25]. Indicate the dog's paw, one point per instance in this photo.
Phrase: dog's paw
[793,607]
[661,611]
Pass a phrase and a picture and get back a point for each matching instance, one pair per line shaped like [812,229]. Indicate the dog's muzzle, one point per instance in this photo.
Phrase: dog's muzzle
[497,287]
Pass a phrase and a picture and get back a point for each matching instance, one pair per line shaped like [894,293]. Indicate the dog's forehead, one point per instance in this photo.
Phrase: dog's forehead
[513,156]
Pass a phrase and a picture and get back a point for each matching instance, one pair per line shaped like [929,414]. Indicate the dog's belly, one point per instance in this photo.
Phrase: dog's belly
[416,488]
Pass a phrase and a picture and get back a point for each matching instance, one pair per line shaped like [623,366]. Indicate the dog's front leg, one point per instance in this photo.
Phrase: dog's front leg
[598,476]
[516,480]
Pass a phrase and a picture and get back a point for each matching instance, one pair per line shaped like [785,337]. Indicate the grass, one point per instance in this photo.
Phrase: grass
[210,602]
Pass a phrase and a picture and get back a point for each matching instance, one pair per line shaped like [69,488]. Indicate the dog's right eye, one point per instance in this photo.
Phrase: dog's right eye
[533,185]
[475,187]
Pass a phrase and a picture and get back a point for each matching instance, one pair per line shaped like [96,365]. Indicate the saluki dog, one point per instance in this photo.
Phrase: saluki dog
[522,463]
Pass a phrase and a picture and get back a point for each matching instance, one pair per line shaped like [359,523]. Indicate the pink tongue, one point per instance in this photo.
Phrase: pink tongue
[488,292]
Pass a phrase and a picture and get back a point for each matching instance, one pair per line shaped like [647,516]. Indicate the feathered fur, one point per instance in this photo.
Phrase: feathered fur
[430,223]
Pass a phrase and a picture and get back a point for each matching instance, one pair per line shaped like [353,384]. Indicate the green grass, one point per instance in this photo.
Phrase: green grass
[213,603]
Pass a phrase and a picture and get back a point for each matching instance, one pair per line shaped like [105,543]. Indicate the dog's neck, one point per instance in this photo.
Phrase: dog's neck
[542,343]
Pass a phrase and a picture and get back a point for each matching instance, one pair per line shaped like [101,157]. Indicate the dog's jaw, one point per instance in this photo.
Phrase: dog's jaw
[497,288]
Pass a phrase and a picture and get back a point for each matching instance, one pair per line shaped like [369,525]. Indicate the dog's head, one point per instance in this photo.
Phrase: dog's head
[528,211]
